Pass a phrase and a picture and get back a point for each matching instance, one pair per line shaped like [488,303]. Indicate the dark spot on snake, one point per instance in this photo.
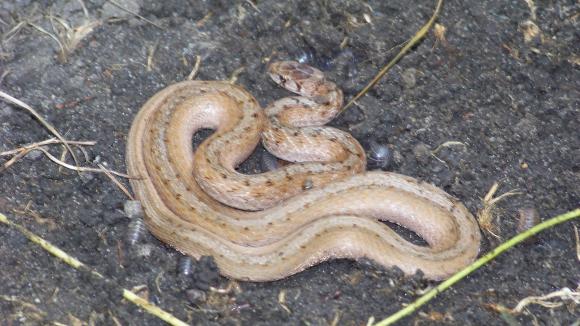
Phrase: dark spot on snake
[296,134]
[224,176]
[246,228]
[269,183]
[255,115]
[247,183]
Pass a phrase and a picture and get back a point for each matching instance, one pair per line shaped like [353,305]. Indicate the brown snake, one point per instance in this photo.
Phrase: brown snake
[266,226]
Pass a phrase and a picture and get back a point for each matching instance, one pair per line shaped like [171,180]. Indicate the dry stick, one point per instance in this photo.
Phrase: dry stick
[478,263]
[116,182]
[118,5]
[79,168]
[416,38]
[46,142]
[78,265]
[41,120]
[195,69]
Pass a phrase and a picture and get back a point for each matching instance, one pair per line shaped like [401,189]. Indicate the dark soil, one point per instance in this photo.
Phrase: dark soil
[513,102]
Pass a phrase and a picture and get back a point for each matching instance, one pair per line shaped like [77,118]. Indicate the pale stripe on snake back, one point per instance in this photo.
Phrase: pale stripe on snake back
[338,218]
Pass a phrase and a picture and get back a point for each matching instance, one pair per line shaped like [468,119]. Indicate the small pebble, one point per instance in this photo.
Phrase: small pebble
[422,153]
[34,155]
[144,250]
[195,296]
[527,127]
[409,77]
[133,209]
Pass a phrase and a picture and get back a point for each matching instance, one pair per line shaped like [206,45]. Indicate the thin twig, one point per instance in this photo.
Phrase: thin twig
[544,300]
[46,142]
[414,40]
[116,182]
[235,74]
[136,14]
[79,168]
[78,265]
[195,69]
[41,120]
[486,215]
[409,309]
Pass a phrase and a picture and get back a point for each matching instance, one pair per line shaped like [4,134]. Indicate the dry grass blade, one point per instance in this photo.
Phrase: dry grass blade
[69,37]
[116,182]
[52,36]
[547,300]
[414,40]
[486,215]
[14,30]
[118,5]
[80,168]
[78,265]
[41,120]
[30,310]
[195,69]
[43,143]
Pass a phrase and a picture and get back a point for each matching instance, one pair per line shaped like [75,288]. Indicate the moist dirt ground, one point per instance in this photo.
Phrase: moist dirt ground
[497,83]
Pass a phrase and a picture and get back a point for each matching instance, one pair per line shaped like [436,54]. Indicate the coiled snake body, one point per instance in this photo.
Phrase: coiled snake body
[267,226]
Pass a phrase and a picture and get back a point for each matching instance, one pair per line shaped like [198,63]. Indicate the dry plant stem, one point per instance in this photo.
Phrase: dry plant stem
[414,40]
[50,141]
[76,264]
[41,120]
[195,69]
[136,14]
[79,168]
[486,215]
[545,300]
[477,264]
[116,182]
